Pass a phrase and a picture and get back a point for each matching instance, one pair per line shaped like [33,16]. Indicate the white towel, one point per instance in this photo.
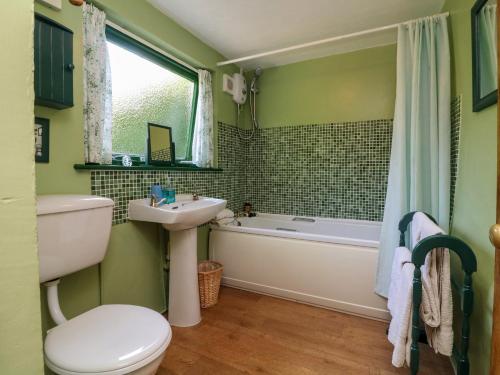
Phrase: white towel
[400,306]
[225,217]
[436,309]
[421,227]
[224,214]
[225,221]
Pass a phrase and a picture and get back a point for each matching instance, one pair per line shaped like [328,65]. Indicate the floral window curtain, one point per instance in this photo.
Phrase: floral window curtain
[203,144]
[96,87]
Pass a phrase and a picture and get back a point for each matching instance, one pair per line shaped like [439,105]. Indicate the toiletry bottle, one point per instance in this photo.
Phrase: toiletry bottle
[157,196]
[169,191]
[157,192]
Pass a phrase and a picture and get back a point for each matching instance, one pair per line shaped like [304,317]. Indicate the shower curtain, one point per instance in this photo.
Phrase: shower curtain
[419,175]
[97,98]
[203,137]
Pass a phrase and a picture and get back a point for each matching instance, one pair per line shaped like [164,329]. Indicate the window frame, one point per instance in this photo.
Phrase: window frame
[135,46]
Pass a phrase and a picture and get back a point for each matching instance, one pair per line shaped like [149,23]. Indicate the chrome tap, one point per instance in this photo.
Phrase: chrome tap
[195,197]
[155,202]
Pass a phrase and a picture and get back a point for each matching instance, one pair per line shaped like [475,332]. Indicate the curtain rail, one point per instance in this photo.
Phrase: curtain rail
[317,42]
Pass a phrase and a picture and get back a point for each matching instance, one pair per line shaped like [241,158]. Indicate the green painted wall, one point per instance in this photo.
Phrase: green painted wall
[476,184]
[349,87]
[66,127]
[20,329]
[132,270]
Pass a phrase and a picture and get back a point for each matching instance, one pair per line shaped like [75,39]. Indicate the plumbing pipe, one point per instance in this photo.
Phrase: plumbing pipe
[53,302]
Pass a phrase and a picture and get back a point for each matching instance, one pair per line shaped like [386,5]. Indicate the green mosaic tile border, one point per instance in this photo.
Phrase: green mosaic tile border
[456,122]
[336,170]
[122,186]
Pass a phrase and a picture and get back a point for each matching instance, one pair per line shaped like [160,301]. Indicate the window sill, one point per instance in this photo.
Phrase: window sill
[189,167]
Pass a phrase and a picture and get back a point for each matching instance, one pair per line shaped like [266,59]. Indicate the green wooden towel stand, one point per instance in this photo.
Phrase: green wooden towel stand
[469,265]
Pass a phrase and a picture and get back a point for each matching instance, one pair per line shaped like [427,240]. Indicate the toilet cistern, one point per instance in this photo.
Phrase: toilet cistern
[181,219]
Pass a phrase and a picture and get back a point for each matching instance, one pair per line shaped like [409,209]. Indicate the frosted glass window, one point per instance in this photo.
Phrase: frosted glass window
[144,91]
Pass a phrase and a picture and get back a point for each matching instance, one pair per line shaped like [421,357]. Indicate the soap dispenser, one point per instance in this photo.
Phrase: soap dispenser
[169,191]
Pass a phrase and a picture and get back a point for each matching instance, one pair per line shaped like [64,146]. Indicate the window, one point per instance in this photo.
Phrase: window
[149,87]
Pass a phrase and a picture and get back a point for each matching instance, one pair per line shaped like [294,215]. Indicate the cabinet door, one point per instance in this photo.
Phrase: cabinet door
[53,64]
[62,67]
[43,61]
[68,67]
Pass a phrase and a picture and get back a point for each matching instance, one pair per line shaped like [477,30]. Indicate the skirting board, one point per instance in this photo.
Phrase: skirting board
[359,310]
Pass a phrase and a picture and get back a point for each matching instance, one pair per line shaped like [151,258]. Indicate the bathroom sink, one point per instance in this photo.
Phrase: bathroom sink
[185,213]
[181,219]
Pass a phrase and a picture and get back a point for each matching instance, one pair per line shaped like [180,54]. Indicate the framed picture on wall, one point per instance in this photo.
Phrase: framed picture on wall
[41,140]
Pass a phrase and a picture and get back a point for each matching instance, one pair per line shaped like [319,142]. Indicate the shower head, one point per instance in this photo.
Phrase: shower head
[257,73]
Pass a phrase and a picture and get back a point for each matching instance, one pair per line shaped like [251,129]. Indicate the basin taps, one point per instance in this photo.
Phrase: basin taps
[155,202]
[195,197]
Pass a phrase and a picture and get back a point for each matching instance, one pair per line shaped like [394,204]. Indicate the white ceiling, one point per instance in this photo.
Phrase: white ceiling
[239,28]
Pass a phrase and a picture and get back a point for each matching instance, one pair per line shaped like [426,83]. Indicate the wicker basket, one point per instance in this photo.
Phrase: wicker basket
[209,276]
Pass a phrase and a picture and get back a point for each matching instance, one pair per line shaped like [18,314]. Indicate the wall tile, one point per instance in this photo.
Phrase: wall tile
[336,170]
[122,186]
[456,122]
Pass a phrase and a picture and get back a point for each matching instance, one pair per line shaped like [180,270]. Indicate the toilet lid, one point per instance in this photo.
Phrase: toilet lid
[107,338]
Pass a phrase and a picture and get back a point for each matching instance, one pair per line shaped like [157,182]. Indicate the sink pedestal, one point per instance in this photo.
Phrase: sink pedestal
[183,295]
[181,219]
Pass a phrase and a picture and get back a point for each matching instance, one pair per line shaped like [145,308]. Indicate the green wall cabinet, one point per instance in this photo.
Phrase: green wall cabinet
[53,64]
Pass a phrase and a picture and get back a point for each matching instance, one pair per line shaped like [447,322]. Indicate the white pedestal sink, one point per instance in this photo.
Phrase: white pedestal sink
[181,219]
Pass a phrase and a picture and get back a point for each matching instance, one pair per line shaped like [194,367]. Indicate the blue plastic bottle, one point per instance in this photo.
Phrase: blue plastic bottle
[157,192]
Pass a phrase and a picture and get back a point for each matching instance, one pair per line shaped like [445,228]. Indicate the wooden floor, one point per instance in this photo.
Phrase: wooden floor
[247,333]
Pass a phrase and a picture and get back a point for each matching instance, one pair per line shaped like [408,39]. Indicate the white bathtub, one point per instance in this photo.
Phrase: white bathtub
[325,262]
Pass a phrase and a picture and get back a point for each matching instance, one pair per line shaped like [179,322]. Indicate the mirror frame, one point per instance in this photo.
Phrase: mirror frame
[149,160]
[478,103]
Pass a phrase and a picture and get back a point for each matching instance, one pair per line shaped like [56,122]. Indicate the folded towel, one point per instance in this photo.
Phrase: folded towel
[226,221]
[421,227]
[224,214]
[225,217]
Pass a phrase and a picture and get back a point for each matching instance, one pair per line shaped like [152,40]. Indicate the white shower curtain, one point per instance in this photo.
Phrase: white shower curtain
[97,98]
[203,146]
[419,176]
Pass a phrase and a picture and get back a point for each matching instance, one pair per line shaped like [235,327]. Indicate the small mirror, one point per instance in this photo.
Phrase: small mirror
[160,146]
[484,54]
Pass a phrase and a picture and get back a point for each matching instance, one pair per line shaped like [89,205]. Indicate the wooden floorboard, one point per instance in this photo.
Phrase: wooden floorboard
[248,333]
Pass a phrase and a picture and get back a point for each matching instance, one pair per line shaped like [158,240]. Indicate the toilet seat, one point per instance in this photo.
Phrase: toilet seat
[120,371]
[110,340]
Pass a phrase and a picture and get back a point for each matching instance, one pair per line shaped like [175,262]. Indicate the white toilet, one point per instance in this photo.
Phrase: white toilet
[73,233]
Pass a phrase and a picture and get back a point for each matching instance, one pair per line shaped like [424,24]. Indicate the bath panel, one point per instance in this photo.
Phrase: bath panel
[329,263]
